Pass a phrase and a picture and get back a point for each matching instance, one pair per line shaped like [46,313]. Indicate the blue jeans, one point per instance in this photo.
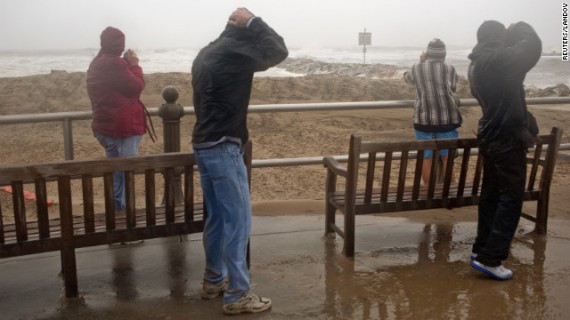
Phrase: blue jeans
[421,135]
[228,224]
[114,148]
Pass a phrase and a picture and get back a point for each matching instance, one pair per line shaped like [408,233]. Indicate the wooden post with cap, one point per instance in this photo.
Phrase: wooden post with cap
[171,113]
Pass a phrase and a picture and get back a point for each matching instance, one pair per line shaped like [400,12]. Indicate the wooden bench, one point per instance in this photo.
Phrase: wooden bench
[90,228]
[397,190]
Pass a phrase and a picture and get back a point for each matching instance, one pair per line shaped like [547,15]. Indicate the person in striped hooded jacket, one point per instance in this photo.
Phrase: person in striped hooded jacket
[436,110]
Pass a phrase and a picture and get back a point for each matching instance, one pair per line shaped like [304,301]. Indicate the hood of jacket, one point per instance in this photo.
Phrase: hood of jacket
[500,61]
[236,33]
[222,77]
[112,41]
[490,36]
[114,88]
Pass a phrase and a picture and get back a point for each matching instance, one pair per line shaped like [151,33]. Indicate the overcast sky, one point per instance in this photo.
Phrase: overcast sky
[70,24]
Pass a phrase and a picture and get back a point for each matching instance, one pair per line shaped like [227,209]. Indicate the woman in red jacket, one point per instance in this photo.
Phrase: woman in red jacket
[114,85]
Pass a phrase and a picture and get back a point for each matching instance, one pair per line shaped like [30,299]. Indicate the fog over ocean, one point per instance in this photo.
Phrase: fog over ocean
[549,71]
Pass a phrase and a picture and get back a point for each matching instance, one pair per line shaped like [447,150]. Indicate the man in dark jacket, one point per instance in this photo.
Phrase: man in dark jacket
[114,85]
[499,63]
[222,76]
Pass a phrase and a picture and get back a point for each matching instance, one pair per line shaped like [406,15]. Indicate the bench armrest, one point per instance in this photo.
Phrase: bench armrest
[334,166]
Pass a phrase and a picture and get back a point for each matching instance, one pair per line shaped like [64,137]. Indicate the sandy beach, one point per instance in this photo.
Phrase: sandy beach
[274,135]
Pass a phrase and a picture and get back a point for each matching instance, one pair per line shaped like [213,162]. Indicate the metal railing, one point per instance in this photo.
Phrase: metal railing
[67,119]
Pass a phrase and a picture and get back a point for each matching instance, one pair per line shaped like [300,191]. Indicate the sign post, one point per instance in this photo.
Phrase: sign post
[364,39]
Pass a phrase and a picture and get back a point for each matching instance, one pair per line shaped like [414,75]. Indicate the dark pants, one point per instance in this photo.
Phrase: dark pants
[500,204]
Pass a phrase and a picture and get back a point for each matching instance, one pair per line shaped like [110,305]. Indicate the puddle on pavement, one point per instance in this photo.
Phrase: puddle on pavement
[401,271]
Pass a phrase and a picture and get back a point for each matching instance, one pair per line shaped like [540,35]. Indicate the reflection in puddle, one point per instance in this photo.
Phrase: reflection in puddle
[433,286]
[123,278]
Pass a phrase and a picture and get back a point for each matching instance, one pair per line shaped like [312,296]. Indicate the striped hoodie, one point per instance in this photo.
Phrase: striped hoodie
[435,109]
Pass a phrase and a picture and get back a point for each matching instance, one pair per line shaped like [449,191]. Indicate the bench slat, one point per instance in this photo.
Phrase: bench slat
[547,139]
[130,199]
[418,174]
[99,220]
[386,176]
[460,143]
[338,196]
[109,200]
[463,173]
[96,168]
[407,194]
[551,156]
[449,172]
[69,266]
[407,204]
[1,225]
[169,194]
[99,224]
[19,210]
[534,167]
[477,176]
[546,179]
[433,173]
[150,196]
[42,208]
[425,204]
[370,176]
[188,193]
[88,203]
[100,238]
[402,175]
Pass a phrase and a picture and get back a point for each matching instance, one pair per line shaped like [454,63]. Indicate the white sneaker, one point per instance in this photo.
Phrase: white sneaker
[127,243]
[249,303]
[134,242]
[211,291]
[499,272]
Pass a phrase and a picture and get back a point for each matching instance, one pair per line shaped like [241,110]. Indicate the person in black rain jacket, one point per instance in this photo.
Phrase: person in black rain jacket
[222,75]
[499,64]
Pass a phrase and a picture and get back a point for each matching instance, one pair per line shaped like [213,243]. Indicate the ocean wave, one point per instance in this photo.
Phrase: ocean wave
[381,62]
[308,66]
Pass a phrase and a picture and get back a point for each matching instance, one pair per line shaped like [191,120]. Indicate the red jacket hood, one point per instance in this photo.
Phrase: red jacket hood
[112,41]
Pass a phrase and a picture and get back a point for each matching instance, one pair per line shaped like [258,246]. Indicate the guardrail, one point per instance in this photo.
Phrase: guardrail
[67,119]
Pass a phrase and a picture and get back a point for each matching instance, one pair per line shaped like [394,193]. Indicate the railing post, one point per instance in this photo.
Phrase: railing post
[171,113]
[68,138]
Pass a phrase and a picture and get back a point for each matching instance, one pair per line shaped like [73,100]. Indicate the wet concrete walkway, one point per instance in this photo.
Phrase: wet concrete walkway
[405,268]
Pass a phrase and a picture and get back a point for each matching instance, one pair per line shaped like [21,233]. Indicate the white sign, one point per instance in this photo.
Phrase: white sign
[364,38]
